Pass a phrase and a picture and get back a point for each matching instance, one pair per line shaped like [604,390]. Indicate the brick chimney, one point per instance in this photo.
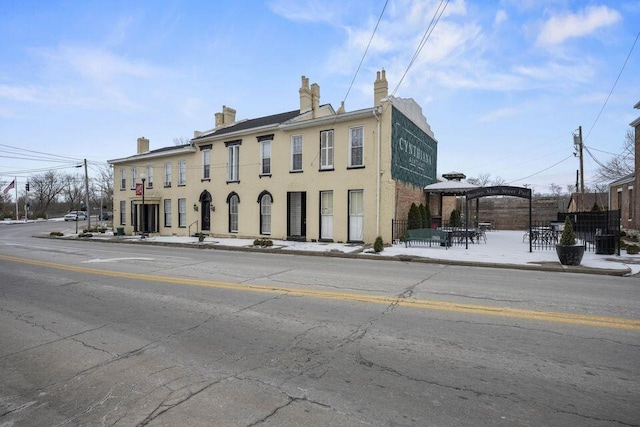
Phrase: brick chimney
[227,117]
[143,145]
[380,88]
[315,97]
[305,96]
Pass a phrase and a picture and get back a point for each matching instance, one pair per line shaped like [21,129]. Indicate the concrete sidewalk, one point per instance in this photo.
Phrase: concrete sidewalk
[503,249]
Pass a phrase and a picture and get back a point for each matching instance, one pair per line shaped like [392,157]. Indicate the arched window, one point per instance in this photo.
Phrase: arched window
[265,199]
[233,200]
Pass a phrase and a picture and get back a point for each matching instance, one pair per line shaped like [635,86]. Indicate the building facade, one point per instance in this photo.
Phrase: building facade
[622,192]
[312,174]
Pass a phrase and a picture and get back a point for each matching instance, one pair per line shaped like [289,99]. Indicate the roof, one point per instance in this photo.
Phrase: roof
[449,187]
[589,199]
[623,180]
[274,119]
[153,153]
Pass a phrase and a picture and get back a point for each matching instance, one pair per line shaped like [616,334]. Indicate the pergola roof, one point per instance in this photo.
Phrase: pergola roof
[449,187]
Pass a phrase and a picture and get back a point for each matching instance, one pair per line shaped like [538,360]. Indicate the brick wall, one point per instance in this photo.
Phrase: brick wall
[406,194]
[512,213]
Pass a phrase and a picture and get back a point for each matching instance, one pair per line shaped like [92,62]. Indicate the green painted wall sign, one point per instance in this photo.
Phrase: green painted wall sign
[414,153]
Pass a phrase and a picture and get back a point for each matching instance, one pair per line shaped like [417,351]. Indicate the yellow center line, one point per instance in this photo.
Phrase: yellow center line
[548,316]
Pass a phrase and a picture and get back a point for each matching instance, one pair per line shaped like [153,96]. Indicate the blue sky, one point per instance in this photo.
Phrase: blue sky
[503,84]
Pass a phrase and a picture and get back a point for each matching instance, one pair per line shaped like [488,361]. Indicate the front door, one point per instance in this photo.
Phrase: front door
[326,215]
[205,210]
[297,215]
[356,216]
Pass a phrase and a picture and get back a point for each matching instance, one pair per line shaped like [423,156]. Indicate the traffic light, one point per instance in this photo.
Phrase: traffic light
[27,186]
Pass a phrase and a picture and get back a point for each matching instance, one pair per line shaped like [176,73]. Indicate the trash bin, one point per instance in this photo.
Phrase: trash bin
[120,231]
[605,244]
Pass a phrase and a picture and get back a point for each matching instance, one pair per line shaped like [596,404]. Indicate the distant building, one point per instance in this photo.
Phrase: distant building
[590,200]
[307,174]
[622,192]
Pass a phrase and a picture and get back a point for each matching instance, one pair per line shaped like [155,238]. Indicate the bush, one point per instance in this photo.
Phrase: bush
[56,234]
[263,243]
[85,234]
[633,249]
[426,216]
[415,219]
[568,237]
[378,245]
[455,220]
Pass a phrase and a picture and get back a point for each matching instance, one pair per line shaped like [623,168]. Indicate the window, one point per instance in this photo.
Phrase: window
[182,172]
[167,212]
[167,174]
[265,213]
[233,174]
[265,157]
[206,164]
[326,150]
[182,212]
[296,153]
[233,201]
[356,147]
[149,176]
[123,179]
[134,177]
[356,216]
[123,211]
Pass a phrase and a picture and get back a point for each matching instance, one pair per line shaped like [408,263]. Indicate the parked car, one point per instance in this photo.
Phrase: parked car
[75,215]
[107,215]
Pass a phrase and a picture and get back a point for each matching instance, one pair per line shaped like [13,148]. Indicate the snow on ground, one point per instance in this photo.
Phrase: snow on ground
[502,247]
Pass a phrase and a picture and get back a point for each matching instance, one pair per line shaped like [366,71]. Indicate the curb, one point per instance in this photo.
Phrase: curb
[544,267]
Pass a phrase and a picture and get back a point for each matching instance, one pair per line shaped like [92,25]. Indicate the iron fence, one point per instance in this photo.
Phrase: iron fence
[598,231]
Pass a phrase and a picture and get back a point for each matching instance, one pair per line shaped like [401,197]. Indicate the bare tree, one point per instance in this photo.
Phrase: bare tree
[46,187]
[181,140]
[102,186]
[481,181]
[621,165]
[498,180]
[73,190]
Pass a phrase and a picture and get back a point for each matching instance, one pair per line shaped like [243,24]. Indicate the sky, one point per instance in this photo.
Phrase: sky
[503,84]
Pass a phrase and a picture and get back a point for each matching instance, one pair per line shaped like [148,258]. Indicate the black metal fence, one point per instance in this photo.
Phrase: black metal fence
[457,235]
[598,231]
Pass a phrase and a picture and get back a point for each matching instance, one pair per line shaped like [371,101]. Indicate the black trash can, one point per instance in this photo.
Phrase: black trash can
[605,244]
[120,231]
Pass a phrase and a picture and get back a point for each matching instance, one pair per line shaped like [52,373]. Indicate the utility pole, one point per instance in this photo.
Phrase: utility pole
[577,143]
[86,195]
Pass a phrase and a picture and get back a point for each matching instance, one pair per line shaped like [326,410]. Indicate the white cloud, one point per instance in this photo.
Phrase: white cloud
[306,11]
[494,116]
[501,16]
[559,28]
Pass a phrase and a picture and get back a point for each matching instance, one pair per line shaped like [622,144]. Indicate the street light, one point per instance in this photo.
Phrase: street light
[143,177]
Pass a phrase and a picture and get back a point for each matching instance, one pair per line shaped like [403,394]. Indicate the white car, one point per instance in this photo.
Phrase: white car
[75,215]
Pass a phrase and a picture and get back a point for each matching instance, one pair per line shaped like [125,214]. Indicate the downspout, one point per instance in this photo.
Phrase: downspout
[379,143]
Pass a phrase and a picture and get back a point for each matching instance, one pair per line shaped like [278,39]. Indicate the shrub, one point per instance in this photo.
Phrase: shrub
[568,237]
[378,245]
[455,220]
[85,234]
[415,219]
[56,234]
[426,216]
[633,249]
[263,243]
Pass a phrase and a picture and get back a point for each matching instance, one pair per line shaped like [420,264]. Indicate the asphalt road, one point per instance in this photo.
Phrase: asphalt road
[129,334]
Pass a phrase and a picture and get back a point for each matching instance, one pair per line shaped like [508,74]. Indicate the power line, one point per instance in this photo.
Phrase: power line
[41,153]
[365,51]
[543,170]
[425,38]
[614,86]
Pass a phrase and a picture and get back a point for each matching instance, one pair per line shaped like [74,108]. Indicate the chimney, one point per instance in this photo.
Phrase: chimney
[315,97]
[305,96]
[143,145]
[229,115]
[380,88]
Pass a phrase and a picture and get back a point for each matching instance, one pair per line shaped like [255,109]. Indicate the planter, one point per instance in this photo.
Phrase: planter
[570,255]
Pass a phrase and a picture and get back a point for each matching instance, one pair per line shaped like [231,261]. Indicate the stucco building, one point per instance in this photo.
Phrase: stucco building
[312,173]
